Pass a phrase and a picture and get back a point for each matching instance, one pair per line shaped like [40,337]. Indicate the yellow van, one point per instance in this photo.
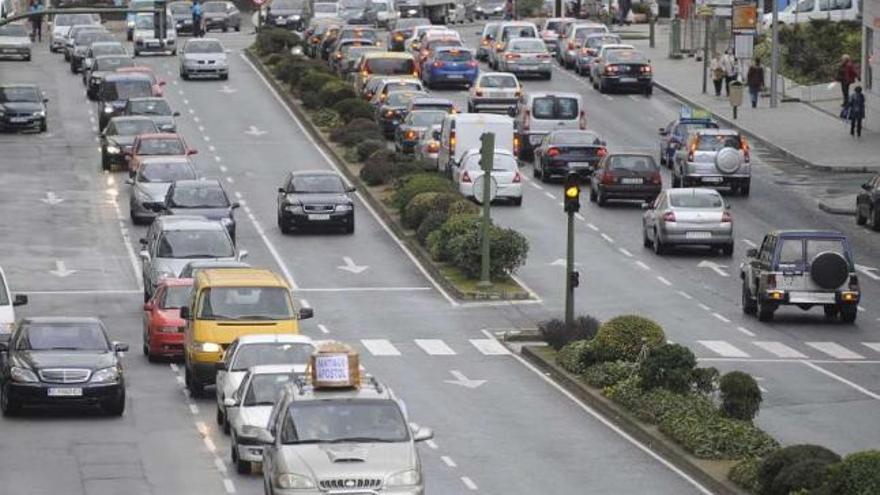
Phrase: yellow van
[395,64]
[227,303]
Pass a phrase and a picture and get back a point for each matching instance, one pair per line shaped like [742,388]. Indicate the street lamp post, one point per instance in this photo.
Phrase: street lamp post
[774,55]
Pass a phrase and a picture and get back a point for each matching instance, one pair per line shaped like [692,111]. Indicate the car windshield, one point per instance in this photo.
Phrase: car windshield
[390,66]
[582,32]
[179,8]
[200,196]
[633,163]
[498,81]
[110,64]
[401,98]
[411,22]
[165,172]
[392,87]
[265,388]
[85,336]
[552,26]
[214,7]
[434,43]
[204,46]
[131,127]
[551,107]
[696,199]
[625,57]
[518,32]
[426,119]
[161,146]
[501,163]
[176,296]
[352,4]
[144,22]
[343,421]
[575,137]
[287,4]
[212,243]
[354,34]
[11,94]
[99,49]
[594,41]
[89,37]
[526,46]
[709,142]
[455,56]
[686,128]
[246,303]
[4,297]
[318,184]
[325,8]
[16,30]
[149,107]
[380,7]
[75,19]
[123,90]
[270,353]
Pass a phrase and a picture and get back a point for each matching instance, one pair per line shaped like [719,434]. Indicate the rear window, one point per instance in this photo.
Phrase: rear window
[522,46]
[325,8]
[553,26]
[123,90]
[390,66]
[16,30]
[444,42]
[550,107]
[401,99]
[582,32]
[518,32]
[411,22]
[501,163]
[696,199]
[111,64]
[687,128]
[717,142]
[455,56]
[595,41]
[575,137]
[633,163]
[498,82]
[791,252]
[626,57]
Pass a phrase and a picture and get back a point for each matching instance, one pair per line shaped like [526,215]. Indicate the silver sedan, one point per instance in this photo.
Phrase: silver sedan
[693,216]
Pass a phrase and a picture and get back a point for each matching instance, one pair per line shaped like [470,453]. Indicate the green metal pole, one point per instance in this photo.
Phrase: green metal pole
[487,157]
[569,270]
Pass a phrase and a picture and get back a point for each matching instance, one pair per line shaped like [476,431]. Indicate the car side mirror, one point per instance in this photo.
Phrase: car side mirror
[145,255]
[235,205]
[646,206]
[230,402]
[45,100]
[120,347]
[350,189]
[175,114]
[306,313]
[185,313]
[148,306]
[19,300]
[663,132]
[752,253]
[242,254]
[192,152]
[420,433]
[264,437]
[281,190]
[4,345]
[437,135]
[866,186]
[220,366]
[142,241]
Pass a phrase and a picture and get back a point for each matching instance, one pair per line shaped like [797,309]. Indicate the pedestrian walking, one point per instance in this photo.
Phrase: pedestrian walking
[731,69]
[36,21]
[846,76]
[197,18]
[755,81]
[717,72]
[856,112]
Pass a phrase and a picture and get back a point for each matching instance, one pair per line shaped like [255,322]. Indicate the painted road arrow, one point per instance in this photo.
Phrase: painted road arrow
[61,270]
[51,199]
[253,131]
[226,89]
[868,271]
[561,262]
[351,266]
[715,267]
[464,381]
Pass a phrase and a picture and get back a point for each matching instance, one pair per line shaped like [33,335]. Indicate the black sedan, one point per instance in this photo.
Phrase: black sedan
[22,107]
[624,70]
[394,109]
[118,136]
[868,203]
[61,361]
[626,176]
[201,197]
[412,129]
[315,199]
[100,67]
[562,152]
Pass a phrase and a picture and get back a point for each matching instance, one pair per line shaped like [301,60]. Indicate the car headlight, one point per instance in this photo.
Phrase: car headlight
[167,127]
[294,17]
[497,9]
[6,327]
[105,375]
[206,347]
[344,207]
[479,9]
[130,24]
[22,375]
[409,477]
[108,109]
[40,113]
[294,481]
[294,208]
[166,274]
[114,150]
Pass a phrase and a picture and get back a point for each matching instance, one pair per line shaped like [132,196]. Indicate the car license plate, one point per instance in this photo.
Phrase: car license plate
[319,217]
[631,180]
[535,139]
[713,180]
[9,50]
[18,120]
[628,79]
[455,76]
[811,297]
[697,235]
[152,43]
[65,392]
[579,164]
[281,21]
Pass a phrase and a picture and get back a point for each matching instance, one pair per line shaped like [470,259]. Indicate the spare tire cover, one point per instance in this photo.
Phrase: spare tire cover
[829,270]
[478,189]
[728,160]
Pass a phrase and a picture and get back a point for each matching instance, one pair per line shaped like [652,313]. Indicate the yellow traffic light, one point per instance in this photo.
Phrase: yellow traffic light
[572,193]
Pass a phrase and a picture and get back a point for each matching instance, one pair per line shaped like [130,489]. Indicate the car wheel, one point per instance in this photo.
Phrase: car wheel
[592,195]
[225,29]
[601,200]
[649,90]
[548,76]
[470,108]
[727,250]
[745,189]
[517,201]
[602,87]
[536,172]
[283,226]
[136,52]
[749,305]
[7,405]
[43,126]
[765,310]
[106,165]
[875,219]
[848,313]
[238,28]
[860,219]
[224,77]
[227,428]
[646,242]
[662,157]
[676,182]
[243,467]
[184,75]
[659,247]
[116,407]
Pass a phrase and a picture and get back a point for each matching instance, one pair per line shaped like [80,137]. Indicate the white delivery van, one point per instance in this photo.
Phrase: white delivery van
[461,132]
[805,10]
[7,304]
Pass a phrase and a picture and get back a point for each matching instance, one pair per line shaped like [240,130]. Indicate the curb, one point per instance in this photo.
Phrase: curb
[417,251]
[834,210]
[754,137]
[648,436]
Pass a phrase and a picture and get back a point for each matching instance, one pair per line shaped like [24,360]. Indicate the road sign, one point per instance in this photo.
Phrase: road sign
[745,18]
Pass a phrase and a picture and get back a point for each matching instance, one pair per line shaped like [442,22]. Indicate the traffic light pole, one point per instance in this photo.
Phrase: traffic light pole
[569,273]
[487,159]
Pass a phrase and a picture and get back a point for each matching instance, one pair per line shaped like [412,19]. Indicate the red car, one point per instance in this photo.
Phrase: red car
[158,84]
[163,326]
[160,144]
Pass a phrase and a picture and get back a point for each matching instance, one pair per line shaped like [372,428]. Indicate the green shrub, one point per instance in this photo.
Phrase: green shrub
[335,91]
[275,40]
[622,338]
[710,435]
[811,52]
[438,242]
[705,380]
[273,58]
[354,138]
[429,225]
[745,475]
[601,375]
[377,167]
[368,147]
[463,207]
[773,465]
[354,108]
[857,474]
[557,334]
[360,127]
[402,167]
[291,69]
[314,80]
[419,206]
[576,356]
[326,118]
[508,251]
[802,477]
[669,366]
[652,406]
[416,184]
[311,100]
[740,395]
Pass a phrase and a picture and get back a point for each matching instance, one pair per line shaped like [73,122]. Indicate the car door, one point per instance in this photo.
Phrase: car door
[147,261]
[651,214]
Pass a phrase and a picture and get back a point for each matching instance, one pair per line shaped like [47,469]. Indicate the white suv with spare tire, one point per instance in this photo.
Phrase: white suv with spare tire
[714,158]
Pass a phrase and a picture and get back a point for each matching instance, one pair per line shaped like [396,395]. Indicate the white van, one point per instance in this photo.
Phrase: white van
[7,304]
[462,131]
[805,10]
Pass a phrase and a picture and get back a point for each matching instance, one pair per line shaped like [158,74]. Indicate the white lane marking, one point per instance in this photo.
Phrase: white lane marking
[206,138]
[633,97]
[560,204]
[304,303]
[180,380]
[549,195]
[664,281]
[593,227]
[380,347]
[91,112]
[860,308]
[228,485]
[209,444]
[684,294]
[223,168]
[625,252]
[721,317]
[611,426]
[490,347]
[842,380]
[174,367]
[191,111]
[835,350]
[448,461]
[746,331]
[271,248]
[580,217]
[220,465]
[872,345]
[607,237]
[369,208]
[201,128]
[194,409]
[432,444]
[722,348]
[185,101]
[323,329]
[197,120]
[230,180]
[469,483]
[749,243]
[608,97]
[202,427]
[779,349]
[92,120]
[126,239]
[704,307]
[435,347]
[211,148]
[238,194]
[643,265]
[180,91]
[535,185]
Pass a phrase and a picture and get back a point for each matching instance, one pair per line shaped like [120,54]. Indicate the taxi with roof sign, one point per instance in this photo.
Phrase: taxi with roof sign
[676,132]
[339,430]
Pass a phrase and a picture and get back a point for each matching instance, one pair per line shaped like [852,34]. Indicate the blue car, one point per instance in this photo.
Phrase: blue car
[450,66]
[674,135]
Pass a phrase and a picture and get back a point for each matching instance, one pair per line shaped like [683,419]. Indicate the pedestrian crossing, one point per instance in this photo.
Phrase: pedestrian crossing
[762,349]
[432,347]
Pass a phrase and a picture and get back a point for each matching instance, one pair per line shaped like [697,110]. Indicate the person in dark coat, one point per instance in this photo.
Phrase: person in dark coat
[846,76]
[856,112]
[755,81]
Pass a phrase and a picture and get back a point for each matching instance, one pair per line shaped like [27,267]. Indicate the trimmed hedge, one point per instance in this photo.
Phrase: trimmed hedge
[415,184]
[557,334]
[326,118]
[422,204]
[857,474]
[383,166]
[431,223]
[745,475]
[508,251]
[368,147]
[572,356]
[740,395]
[354,108]
[314,80]
[621,338]
[601,375]
[275,40]
[774,464]
[335,91]
[670,366]
[438,241]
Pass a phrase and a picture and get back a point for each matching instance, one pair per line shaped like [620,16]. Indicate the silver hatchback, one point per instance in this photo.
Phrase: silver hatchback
[714,158]
[526,56]
[694,216]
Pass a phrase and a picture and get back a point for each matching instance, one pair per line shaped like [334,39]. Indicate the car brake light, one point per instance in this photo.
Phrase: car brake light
[472,63]
[602,152]
[744,146]
[516,145]
[479,92]
[725,217]
[510,56]
[608,178]
[646,69]
[398,37]
[571,45]
[498,47]
[582,122]
[410,135]
[553,152]
[656,178]
[389,113]
[585,51]
[433,147]
[691,151]
[544,56]
[452,141]
[527,120]
[438,64]
[669,217]
[611,69]
[485,42]
[517,178]
[465,177]
[771,281]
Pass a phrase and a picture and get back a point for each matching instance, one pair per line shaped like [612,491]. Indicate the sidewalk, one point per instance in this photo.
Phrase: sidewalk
[811,134]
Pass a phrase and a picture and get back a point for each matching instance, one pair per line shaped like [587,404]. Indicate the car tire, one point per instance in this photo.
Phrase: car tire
[749,304]
[7,405]
[745,189]
[875,219]
[765,310]
[243,467]
[860,219]
[283,226]
[225,29]
[646,242]
[517,201]
[663,158]
[196,389]
[649,90]
[592,195]
[727,250]
[601,87]
[601,200]
[184,75]
[27,58]
[548,76]
[349,229]
[659,247]
[227,428]
[44,126]
[224,77]
[238,28]
[848,313]
[116,407]
[105,163]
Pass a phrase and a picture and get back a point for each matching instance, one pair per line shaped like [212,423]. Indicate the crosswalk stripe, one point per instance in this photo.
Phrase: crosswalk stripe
[872,345]
[490,347]
[380,347]
[779,349]
[723,348]
[835,350]
[435,347]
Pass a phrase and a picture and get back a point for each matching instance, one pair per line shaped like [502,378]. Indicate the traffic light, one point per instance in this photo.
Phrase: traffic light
[575,279]
[572,193]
